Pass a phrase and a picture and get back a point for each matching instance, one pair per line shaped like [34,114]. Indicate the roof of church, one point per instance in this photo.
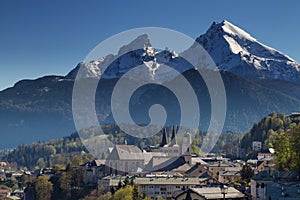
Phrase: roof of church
[126,152]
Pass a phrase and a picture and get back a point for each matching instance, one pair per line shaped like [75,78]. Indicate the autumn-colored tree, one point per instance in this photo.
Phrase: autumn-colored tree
[65,184]
[283,151]
[124,193]
[43,188]
[287,149]
[296,147]
[136,194]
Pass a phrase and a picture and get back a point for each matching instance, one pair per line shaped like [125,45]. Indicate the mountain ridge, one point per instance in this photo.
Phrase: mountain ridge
[39,109]
[231,48]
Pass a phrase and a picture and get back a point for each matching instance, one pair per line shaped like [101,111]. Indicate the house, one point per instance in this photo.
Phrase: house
[206,179]
[216,168]
[196,170]
[294,116]
[256,145]
[164,186]
[229,176]
[12,198]
[262,165]
[209,193]
[92,171]
[3,164]
[111,183]
[258,183]
[4,193]
[266,154]
[212,158]
[252,162]
[198,160]
[18,193]
[49,172]
[2,175]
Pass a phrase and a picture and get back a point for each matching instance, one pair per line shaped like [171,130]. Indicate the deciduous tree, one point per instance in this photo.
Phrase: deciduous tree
[43,188]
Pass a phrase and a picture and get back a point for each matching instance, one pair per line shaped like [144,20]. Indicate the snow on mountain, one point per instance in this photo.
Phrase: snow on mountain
[234,50]
[136,53]
[231,48]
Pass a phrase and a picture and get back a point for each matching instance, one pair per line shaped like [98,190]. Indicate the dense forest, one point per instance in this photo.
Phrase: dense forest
[45,154]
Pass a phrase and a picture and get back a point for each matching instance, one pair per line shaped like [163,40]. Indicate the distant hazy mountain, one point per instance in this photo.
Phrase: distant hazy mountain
[257,78]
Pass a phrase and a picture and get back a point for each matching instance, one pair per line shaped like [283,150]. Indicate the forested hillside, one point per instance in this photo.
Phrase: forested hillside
[71,149]
[280,132]
[40,155]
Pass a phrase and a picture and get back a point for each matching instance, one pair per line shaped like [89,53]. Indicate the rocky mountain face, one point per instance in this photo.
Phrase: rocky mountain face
[138,52]
[236,51]
[258,80]
[231,48]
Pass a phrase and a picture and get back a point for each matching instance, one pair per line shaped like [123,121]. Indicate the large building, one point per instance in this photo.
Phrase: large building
[164,186]
[130,159]
[212,193]
[125,158]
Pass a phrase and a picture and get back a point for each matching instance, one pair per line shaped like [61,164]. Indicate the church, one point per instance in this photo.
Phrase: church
[123,159]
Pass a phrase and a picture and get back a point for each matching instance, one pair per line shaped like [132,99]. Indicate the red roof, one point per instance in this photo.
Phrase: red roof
[4,191]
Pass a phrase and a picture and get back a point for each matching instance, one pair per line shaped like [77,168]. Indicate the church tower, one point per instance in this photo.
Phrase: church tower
[186,146]
[173,137]
[164,138]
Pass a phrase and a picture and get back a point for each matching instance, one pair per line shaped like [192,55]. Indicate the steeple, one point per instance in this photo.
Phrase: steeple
[173,137]
[188,195]
[164,138]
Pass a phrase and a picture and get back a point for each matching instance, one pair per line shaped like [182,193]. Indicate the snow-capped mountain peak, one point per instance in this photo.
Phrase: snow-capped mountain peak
[136,53]
[141,42]
[235,50]
[233,30]
[231,48]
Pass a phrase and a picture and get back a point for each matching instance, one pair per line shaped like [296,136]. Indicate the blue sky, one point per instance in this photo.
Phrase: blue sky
[50,37]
